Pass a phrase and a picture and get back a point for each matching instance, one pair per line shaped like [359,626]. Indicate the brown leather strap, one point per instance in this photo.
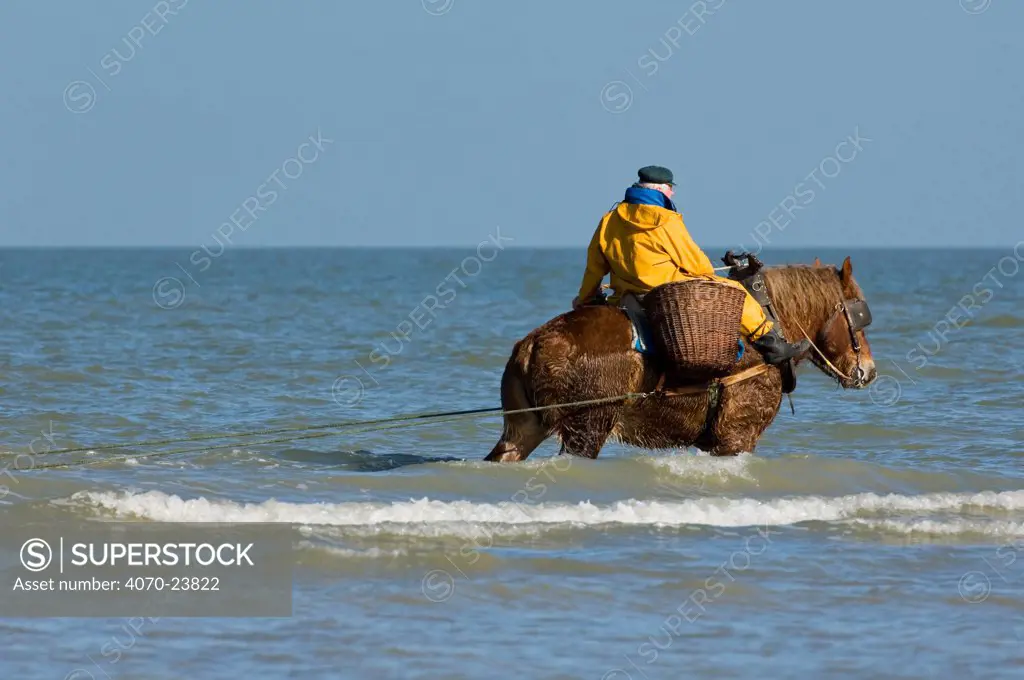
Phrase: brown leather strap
[746,374]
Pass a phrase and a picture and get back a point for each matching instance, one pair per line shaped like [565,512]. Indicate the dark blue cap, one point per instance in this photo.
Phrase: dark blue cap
[655,174]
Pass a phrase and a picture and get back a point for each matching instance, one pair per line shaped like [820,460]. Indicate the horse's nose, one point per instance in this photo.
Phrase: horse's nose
[866,373]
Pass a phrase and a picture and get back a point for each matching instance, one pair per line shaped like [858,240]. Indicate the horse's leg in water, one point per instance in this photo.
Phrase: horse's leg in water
[583,434]
[522,432]
[578,356]
[747,409]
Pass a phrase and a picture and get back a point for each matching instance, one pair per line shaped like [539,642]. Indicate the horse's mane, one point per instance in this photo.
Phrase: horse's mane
[802,292]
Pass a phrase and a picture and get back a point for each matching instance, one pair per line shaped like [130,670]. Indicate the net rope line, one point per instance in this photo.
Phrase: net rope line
[359,427]
[114,459]
[310,431]
[334,426]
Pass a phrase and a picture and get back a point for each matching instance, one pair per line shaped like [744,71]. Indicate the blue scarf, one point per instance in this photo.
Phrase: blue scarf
[637,195]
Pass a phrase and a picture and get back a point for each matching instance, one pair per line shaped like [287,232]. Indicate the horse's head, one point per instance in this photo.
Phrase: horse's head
[828,304]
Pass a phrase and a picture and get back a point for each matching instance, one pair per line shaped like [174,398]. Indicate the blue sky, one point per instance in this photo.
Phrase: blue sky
[135,122]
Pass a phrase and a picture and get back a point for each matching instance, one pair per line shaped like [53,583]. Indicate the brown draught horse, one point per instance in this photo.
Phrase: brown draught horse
[586,354]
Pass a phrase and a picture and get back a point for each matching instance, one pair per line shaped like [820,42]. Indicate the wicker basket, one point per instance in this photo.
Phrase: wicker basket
[696,326]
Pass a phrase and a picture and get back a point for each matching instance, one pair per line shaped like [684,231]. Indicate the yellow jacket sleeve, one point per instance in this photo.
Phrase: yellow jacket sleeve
[597,267]
[684,252]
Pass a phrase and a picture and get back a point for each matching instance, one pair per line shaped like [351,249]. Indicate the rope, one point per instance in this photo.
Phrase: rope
[113,459]
[374,425]
[815,347]
[335,426]
[820,353]
[357,427]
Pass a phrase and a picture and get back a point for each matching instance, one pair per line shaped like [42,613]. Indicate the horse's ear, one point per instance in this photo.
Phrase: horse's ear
[817,262]
[847,272]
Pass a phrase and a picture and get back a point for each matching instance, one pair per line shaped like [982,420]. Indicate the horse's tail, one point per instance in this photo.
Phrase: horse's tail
[522,432]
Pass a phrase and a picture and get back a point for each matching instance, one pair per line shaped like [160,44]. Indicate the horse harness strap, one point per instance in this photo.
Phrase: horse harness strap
[858,317]
[714,387]
[758,289]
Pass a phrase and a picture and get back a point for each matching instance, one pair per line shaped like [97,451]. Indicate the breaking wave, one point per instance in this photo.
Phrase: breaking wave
[427,517]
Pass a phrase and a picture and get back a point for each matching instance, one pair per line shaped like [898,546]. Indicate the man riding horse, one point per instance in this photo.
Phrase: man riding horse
[643,243]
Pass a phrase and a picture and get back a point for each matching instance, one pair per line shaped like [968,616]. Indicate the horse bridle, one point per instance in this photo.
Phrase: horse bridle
[854,310]
[858,317]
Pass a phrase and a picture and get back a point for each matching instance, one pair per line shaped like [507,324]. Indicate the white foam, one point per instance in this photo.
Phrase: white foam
[350,553]
[951,527]
[427,517]
[703,466]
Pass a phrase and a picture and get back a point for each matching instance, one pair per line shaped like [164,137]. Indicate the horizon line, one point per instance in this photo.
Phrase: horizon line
[449,246]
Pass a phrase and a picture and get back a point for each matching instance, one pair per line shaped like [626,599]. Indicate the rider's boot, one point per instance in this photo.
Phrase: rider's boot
[775,350]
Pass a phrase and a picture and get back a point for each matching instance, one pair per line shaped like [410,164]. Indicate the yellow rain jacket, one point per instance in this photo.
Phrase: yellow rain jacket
[644,246]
